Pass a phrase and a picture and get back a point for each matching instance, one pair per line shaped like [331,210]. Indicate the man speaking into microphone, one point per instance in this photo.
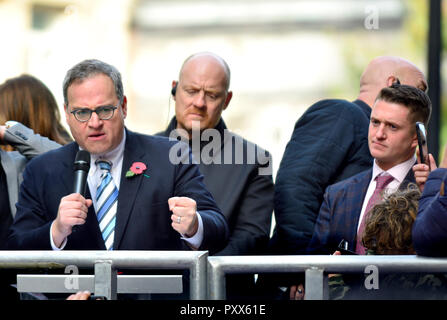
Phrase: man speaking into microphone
[81,167]
[135,198]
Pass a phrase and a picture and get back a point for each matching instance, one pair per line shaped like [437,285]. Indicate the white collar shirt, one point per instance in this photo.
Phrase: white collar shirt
[398,172]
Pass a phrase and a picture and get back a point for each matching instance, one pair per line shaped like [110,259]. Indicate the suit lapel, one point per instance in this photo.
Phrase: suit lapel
[360,188]
[128,186]
[409,178]
[354,202]
[68,179]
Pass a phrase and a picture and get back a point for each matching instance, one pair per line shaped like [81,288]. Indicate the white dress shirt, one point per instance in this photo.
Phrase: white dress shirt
[398,172]
[94,177]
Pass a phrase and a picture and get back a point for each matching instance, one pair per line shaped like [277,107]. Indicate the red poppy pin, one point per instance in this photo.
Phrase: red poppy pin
[136,169]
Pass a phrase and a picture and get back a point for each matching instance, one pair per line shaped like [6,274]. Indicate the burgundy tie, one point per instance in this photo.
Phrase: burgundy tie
[382,182]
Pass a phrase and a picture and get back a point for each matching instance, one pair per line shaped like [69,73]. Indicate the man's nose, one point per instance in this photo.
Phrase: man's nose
[199,99]
[380,133]
[94,120]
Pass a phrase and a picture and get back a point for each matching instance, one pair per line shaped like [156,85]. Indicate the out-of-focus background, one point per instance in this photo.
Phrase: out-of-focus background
[284,55]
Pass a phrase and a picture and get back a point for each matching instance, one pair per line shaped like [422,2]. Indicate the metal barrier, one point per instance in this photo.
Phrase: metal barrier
[105,263]
[63,283]
[207,280]
[315,268]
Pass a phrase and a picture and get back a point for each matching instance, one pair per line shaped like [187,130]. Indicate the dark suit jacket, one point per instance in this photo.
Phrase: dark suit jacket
[328,144]
[143,216]
[430,226]
[339,214]
[243,194]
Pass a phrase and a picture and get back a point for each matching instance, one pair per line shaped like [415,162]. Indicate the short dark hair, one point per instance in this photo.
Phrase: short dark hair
[89,68]
[411,97]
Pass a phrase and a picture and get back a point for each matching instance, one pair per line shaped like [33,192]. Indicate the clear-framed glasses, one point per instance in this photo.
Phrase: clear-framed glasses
[103,112]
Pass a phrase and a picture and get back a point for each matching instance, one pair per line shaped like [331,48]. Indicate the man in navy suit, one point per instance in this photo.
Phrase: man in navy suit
[328,145]
[159,206]
[392,141]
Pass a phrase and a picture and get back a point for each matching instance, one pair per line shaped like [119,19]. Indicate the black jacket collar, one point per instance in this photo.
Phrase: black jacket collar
[365,108]
[221,127]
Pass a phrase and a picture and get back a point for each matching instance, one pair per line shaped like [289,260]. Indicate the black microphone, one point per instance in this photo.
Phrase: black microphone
[81,167]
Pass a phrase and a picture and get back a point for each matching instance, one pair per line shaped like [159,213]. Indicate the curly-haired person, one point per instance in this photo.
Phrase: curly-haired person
[388,232]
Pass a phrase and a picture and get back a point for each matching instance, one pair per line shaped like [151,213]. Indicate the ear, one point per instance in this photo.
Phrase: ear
[228,99]
[124,107]
[391,79]
[174,85]
[414,142]
[67,114]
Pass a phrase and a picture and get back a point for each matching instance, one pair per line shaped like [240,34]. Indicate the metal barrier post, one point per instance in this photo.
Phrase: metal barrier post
[197,278]
[105,279]
[315,284]
[216,281]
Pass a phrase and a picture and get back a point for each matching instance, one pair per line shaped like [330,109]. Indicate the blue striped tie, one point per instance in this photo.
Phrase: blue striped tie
[106,203]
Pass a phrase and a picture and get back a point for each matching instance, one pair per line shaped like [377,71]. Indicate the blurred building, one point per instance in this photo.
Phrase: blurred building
[284,55]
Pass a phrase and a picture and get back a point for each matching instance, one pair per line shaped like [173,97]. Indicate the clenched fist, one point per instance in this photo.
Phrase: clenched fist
[72,211]
[184,215]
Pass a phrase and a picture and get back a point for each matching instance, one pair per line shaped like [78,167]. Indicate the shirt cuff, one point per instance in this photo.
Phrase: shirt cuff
[53,246]
[196,240]
[9,124]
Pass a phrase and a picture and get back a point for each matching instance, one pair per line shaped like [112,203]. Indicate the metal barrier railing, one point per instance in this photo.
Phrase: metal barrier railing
[315,268]
[207,274]
[105,264]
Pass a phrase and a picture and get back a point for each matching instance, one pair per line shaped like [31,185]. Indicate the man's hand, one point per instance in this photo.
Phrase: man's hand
[184,215]
[80,295]
[296,292]
[2,133]
[72,211]
[421,171]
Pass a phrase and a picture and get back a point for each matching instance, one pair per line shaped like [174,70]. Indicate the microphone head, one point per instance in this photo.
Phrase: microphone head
[82,161]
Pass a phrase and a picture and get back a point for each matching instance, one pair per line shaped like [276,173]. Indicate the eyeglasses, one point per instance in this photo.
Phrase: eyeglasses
[104,113]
